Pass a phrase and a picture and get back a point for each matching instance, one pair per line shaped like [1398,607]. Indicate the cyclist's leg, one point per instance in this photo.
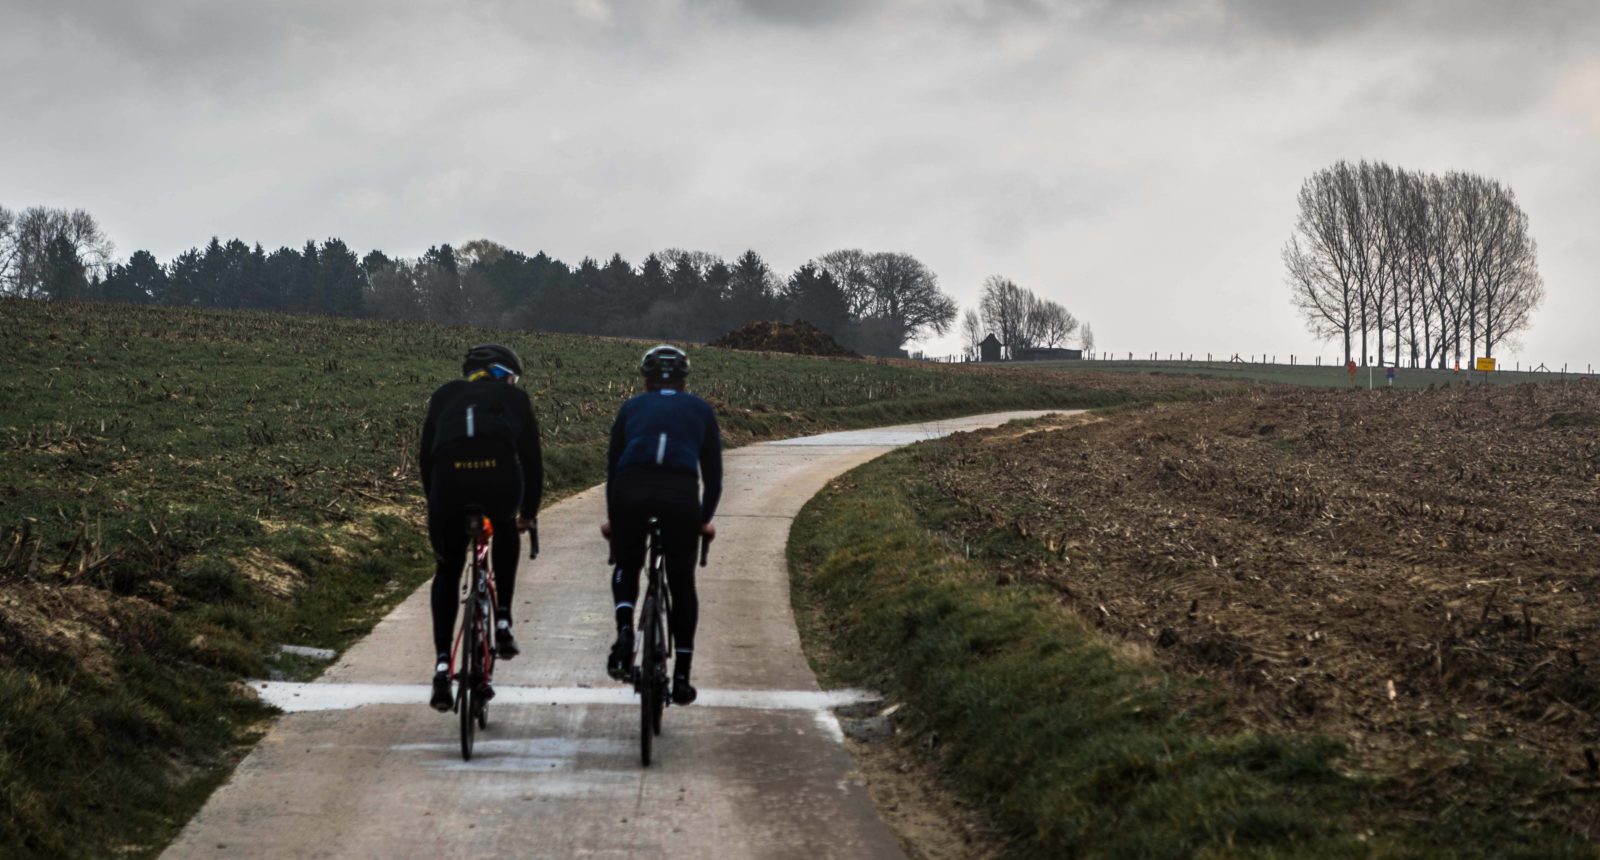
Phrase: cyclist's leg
[682,535]
[449,540]
[502,499]
[505,554]
[628,525]
[449,551]
[629,520]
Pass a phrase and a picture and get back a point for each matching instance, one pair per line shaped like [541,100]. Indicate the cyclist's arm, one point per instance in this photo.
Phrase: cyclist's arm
[619,440]
[711,467]
[532,457]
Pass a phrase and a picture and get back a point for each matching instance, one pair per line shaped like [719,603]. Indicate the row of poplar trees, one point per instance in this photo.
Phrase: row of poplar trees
[1426,269]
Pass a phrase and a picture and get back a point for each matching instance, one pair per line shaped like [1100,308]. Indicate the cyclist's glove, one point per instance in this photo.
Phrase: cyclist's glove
[533,541]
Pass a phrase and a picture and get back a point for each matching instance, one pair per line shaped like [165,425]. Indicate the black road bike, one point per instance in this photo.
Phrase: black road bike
[650,678]
[472,659]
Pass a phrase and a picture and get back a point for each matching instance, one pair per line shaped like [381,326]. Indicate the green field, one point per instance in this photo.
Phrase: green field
[183,491]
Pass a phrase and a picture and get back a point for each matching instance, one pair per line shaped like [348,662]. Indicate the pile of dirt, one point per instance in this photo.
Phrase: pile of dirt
[799,338]
[1407,572]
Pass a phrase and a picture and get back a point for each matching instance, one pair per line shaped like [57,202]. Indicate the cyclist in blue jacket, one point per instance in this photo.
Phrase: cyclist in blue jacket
[665,444]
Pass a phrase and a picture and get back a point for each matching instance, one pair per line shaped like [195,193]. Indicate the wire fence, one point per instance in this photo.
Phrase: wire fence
[1293,360]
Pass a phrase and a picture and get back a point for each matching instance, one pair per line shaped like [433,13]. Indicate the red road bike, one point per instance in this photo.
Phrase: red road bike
[472,658]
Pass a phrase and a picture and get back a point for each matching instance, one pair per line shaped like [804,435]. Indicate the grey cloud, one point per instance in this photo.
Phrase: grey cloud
[807,13]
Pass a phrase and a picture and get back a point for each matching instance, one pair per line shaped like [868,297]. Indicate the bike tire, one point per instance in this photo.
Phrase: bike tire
[464,706]
[649,693]
[466,696]
[658,673]
[487,662]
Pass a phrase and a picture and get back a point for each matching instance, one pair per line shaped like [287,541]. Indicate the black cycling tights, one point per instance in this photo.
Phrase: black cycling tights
[447,531]
[506,548]
[680,532]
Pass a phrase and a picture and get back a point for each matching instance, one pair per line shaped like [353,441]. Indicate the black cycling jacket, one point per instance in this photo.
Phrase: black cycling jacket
[500,416]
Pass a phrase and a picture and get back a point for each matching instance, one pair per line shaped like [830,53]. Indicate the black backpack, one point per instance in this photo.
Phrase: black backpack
[476,419]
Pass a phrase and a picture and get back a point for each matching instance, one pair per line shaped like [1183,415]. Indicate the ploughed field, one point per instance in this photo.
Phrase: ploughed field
[1415,573]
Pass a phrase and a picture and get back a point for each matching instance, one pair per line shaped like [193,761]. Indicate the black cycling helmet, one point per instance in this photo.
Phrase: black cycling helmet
[498,360]
[664,362]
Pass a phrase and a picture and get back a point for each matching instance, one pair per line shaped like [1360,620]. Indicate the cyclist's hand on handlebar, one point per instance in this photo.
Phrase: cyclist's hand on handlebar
[605,530]
[709,530]
[527,524]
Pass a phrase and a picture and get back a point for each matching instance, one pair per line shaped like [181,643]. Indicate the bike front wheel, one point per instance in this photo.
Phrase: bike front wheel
[467,702]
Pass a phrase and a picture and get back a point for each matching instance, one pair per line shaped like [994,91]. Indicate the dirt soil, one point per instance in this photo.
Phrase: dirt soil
[799,338]
[1409,572]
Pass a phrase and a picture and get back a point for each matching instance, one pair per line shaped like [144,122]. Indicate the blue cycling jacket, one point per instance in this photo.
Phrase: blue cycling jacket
[669,432]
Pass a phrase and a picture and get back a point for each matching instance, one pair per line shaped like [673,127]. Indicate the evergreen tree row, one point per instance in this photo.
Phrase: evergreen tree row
[871,302]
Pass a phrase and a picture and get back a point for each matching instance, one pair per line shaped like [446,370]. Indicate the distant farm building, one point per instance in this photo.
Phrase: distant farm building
[989,349]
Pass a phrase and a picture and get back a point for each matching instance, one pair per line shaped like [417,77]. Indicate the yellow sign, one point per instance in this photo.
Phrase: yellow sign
[1486,364]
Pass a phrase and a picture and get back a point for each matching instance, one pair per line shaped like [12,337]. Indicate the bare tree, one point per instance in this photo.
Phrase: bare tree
[891,294]
[971,333]
[8,247]
[1022,320]
[1087,340]
[1055,323]
[907,293]
[1321,260]
[24,255]
[848,266]
[1509,279]
[1005,312]
[1435,266]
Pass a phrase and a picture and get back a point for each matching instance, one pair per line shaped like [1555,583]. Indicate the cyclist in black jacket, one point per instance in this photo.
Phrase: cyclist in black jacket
[480,448]
[664,444]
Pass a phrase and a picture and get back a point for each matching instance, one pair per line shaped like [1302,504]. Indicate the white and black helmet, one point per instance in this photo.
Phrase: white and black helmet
[664,362]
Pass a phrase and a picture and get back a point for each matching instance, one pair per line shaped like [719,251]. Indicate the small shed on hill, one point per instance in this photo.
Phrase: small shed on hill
[989,348]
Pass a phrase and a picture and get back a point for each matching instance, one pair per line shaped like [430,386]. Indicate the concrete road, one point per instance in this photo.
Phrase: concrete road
[359,766]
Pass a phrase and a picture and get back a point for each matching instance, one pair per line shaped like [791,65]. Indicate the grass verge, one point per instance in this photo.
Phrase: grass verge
[1080,746]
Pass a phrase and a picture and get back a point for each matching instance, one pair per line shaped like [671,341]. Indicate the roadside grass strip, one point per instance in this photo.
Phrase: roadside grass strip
[1080,746]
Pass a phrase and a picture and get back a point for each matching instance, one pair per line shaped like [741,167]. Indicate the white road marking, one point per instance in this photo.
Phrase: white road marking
[306,651]
[297,698]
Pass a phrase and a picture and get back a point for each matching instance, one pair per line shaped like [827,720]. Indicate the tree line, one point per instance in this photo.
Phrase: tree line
[1428,269]
[872,302]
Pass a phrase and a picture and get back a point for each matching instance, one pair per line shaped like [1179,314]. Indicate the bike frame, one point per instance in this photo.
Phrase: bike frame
[478,600]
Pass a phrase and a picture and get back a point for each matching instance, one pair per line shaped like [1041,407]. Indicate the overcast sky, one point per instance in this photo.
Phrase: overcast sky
[1136,160]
